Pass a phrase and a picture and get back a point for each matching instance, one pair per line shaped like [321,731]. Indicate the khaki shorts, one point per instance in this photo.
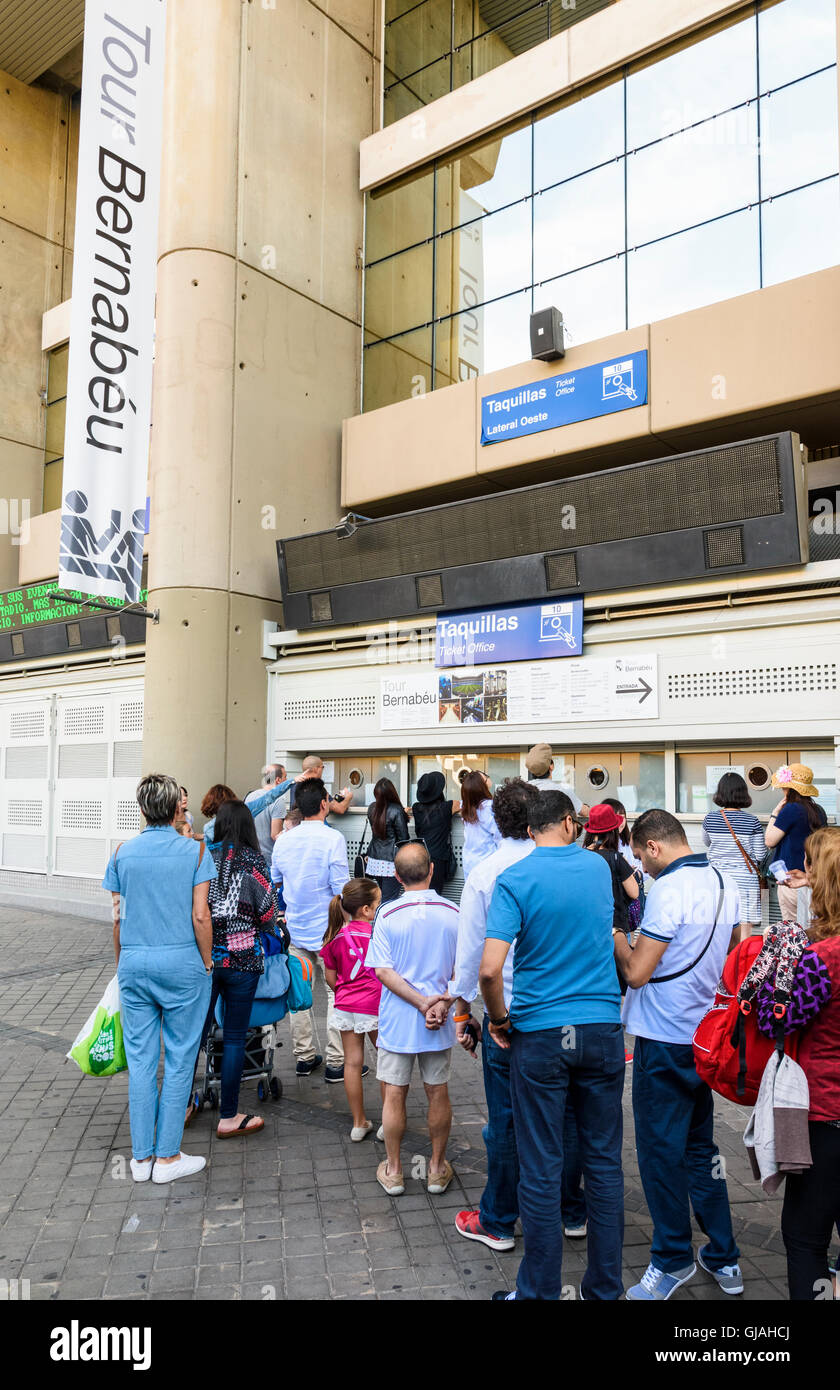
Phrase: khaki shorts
[396,1067]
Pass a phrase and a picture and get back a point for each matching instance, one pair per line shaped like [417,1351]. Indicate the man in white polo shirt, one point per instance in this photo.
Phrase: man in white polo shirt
[311,861]
[412,951]
[672,976]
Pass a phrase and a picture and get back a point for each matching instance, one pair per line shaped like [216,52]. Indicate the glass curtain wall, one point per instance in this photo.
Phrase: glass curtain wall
[434,46]
[691,177]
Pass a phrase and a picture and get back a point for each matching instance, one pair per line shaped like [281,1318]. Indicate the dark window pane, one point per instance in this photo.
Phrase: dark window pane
[398,293]
[800,232]
[707,264]
[420,36]
[399,217]
[799,134]
[396,370]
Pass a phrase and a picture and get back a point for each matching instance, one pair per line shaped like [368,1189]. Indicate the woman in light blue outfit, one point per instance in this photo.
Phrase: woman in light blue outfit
[481,833]
[162,940]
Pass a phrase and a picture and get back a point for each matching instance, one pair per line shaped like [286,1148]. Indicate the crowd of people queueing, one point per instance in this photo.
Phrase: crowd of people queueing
[570,942]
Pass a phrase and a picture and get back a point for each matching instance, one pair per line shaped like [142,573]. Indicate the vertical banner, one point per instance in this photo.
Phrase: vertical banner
[109,384]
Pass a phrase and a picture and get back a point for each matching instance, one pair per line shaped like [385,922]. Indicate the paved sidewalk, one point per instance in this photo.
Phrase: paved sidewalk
[293,1213]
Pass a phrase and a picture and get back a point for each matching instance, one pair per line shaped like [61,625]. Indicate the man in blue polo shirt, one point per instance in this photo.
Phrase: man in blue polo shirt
[672,976]
[565,1036]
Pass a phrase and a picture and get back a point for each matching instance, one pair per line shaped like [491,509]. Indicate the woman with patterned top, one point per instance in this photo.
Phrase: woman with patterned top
[242,905]
[736,844]
[811,1208]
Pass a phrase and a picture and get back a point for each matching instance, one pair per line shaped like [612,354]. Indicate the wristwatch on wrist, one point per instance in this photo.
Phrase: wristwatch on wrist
[500,1022]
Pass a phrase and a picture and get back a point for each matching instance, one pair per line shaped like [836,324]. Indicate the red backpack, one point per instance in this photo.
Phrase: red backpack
[729,1052]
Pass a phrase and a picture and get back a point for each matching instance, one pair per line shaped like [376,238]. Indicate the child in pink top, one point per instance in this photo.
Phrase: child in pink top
[357,990]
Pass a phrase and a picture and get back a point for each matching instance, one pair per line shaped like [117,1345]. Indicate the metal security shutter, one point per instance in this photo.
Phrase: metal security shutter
[25,731]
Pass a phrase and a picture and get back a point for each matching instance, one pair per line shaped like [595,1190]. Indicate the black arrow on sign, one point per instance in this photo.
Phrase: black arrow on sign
[635,689]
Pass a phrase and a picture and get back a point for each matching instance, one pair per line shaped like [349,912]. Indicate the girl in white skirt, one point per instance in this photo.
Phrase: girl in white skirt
[357,990]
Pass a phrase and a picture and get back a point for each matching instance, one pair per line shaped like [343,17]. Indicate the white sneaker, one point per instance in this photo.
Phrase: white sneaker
[380,1133]
[360,1132]
[183,1167]
[575,1232]
[141,1169]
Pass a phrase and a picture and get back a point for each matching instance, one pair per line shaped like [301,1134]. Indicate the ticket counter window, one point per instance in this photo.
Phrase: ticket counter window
[699,774]
[361,773]
[498,766]
[637,780]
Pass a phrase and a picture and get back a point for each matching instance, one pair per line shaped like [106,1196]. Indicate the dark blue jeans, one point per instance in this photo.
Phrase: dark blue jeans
[679,1162]
[499,1206]
[237,988]
[582,1064]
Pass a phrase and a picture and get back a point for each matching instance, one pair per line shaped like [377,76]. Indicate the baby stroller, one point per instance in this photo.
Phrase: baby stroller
[269,1007]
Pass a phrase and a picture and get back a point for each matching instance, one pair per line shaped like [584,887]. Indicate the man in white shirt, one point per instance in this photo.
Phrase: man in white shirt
[412,951]
[539,762]
[311,863]
[672,976]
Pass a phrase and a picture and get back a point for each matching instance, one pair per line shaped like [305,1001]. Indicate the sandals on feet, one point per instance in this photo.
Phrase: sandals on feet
[242,1129]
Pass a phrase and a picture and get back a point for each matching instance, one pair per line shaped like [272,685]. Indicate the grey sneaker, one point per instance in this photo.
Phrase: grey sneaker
[728,1279]
[656,1285]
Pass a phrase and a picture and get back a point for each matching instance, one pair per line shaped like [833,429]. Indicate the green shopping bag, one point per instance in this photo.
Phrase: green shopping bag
[99,1048]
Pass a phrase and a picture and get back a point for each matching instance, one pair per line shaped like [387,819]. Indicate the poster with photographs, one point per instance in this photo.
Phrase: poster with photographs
[479,697]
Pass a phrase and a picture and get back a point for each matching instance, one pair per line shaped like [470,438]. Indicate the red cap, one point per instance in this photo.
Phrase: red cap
[601,819]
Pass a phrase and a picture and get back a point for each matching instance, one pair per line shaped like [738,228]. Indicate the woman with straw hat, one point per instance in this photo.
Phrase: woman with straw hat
[790,825]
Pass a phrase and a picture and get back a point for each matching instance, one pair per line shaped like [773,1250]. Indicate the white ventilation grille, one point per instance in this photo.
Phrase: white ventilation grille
[81,815]
[83,719]
[128,817]
[24,851]
[27,762]
[30,813]
[809,678]
[131,717]
[77,856]
[83,760]
[335,707]
[128,758]
[28,723]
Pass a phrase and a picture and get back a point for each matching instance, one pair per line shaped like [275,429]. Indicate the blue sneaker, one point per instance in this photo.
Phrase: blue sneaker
[656,1285]
[728,1279]
[502,1296]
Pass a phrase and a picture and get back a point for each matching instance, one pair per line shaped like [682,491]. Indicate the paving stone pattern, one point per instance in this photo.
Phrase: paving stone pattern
[294,1213]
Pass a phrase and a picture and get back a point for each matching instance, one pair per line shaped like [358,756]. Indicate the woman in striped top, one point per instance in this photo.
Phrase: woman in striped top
[720,829]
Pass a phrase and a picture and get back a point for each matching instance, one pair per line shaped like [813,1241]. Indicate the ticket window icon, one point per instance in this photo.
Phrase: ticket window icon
[618,381]
[556,625]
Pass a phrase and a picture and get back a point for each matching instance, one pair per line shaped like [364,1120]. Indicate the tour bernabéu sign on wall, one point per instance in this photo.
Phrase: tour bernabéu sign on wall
[109,385]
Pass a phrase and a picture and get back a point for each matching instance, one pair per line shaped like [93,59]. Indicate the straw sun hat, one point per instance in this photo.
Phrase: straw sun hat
[796,775]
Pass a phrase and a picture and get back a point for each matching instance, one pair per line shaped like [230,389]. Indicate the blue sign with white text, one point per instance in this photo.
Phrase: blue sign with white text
[527,632]
[563,400]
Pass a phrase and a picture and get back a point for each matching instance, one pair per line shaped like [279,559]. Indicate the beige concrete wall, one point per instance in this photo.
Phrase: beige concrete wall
[760,362]
[258,344]
[37,133]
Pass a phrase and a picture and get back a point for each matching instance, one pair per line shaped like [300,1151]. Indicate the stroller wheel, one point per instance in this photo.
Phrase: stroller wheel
[213,1100]
[276,1088]
[260,1091]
